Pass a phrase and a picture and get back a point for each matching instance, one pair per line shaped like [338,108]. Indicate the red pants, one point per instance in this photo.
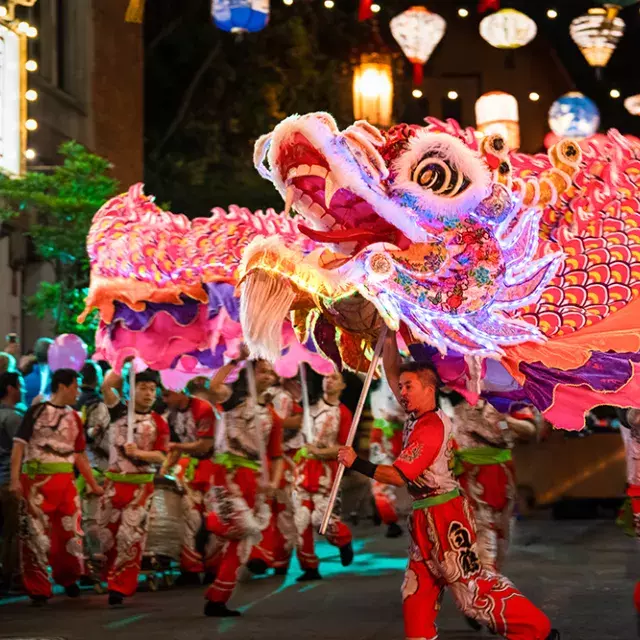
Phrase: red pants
[384,495]
[52,534]
[285,535]
[123,521]
[491,490]
[241,518]
[443,554]
[313,486]
[194,512]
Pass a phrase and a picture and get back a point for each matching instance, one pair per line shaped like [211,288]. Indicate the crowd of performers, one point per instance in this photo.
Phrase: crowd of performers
[254,480]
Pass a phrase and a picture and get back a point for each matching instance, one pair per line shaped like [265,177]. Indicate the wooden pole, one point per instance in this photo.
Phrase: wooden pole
[131,407]
[354,427]
[306,415]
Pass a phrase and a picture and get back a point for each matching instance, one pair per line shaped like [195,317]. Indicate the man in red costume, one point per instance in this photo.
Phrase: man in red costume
[443,552]
[241,511]
[48,443]
[123,515]
[192,424]
[317,469]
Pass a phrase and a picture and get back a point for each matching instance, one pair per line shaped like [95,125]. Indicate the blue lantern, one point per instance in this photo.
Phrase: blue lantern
[240,16]
[574,116]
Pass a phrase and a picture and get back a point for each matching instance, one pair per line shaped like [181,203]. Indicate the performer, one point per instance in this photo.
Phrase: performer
[486,473]
[315,474]
[385,445]
[122,516]
[240,499]
[286,398]
[48,443]
[192,424]
[443,551]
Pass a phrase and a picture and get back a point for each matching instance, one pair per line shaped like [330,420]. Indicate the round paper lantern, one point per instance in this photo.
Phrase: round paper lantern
[632,105]
[240,16]
[597,34]
[497,112]
[508,29]
[574,116]
[418,32]
[373,89]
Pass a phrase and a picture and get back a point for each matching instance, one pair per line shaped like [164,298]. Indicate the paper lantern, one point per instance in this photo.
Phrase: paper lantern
[508,29]
[632,105]
[418,32]
[574,116]
[597,34]
[373,89]
[240,16]
[497,112]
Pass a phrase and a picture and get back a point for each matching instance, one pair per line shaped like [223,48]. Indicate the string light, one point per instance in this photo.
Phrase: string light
[30,154]
[552,14]
[329,4]
[614,93]
[416,93]
[32,32]
[31,65]
[31,95]
[287,2]
[31,124]
[375,8]
[534,97]
[452,95]
[23,27]
[463,13]
[3,12]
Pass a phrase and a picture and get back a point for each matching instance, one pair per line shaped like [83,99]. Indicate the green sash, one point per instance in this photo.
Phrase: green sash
[130,478]
[432,501]
[232,461]
[35,468]
[388,428]
[480,456]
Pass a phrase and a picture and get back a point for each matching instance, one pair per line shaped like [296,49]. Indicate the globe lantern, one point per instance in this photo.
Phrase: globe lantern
[418,31]
[240,16]
[508,29]
[373,89]
[574,116]
[632,105]
[497,112]
[597,34]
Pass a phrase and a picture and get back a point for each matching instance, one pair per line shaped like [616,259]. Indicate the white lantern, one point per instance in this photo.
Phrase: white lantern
[497,112]
[418,32]
[632,105]
[508,29]
[373,89]
[597,34]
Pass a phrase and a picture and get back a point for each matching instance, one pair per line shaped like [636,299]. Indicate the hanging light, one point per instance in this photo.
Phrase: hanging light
[240,16]
[632,105]
[497,112]
[418,32]
[373,89]
[573,115]
[597,34]
[508,29]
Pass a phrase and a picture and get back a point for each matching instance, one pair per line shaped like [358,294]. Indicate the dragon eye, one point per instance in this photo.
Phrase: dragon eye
[437,175]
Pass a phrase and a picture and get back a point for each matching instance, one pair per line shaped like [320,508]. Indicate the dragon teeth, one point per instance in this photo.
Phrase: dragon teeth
[330,188]
[291,192]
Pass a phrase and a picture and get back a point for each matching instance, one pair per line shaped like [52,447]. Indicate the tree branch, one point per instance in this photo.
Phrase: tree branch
[186,99]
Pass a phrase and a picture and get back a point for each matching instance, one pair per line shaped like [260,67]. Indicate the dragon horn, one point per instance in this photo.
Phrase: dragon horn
[260,151]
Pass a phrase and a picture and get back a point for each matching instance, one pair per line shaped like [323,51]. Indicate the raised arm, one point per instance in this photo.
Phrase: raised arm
[111,382]
[391,362]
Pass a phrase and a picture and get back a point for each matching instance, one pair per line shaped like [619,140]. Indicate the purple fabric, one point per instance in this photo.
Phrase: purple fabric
[207,358]
[325,336]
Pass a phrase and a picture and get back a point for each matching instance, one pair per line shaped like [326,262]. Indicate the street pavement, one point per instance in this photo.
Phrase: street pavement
[579,572]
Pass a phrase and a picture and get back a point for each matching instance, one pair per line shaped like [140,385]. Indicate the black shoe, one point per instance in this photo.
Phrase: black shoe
[187,579]
[116,599]
[257,567]
[394,530]
[209,577]
[554,635]
[281,571]
[474,624]
[38,601]
[73,590]
[309,575]
[219,610]
[346,555]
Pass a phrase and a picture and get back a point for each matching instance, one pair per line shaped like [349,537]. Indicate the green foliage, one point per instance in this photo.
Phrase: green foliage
[60,206]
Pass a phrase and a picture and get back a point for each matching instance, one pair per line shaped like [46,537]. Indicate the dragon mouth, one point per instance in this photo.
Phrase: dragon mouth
[328,183]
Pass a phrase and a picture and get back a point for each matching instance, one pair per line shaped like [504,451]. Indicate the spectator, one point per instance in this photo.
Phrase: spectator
[38,381]
[7,362]
[11,392]
[12,345]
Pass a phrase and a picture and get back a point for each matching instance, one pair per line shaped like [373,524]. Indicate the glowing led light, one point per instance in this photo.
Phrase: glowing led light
[329,4]
[32,32]
[463,13]
[31,65]
[31,124]
[552,13]
[534,97]
[30,154]
[3,12]
[452,95]
[375,8]
[614,93]
[288,2]
[31,95]
[416,93]
[24,27]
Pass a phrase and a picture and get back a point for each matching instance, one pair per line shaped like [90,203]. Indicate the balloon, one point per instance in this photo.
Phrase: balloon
[68,351]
